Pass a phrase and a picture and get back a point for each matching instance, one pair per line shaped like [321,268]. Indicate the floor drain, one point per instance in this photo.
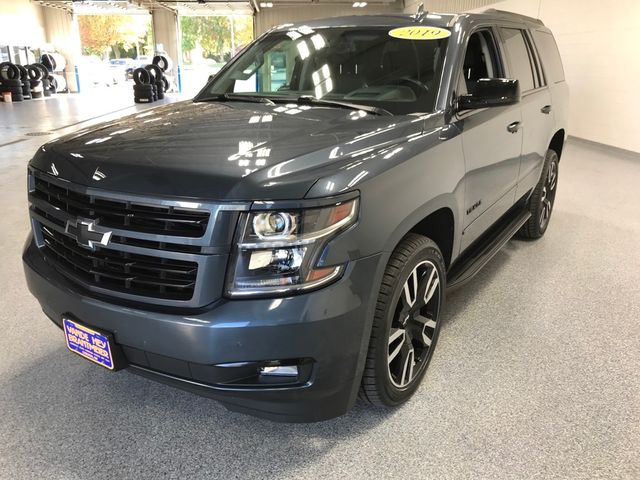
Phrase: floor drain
[38,134]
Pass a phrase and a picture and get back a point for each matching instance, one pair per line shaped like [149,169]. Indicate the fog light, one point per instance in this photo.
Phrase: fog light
[280,371]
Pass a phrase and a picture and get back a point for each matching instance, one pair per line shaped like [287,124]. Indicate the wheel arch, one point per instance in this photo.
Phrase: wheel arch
[437,221]
[439,226]
[557,142]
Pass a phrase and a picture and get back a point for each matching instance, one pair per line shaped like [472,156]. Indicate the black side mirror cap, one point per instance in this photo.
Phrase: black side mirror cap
[491,92]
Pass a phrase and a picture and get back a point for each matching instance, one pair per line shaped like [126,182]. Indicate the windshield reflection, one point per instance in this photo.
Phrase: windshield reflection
[352,65]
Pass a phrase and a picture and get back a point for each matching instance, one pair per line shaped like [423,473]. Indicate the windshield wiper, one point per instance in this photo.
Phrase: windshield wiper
[311,100]
[232,97]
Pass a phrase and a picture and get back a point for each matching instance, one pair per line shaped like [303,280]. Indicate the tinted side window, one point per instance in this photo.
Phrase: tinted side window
[519,59]
[480,60]
[549,56]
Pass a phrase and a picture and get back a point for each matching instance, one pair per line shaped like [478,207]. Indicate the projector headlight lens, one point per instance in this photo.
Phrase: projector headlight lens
[274,225]
[277,252]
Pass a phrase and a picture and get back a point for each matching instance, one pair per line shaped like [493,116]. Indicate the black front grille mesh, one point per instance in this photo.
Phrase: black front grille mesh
[159,220]
[121,271]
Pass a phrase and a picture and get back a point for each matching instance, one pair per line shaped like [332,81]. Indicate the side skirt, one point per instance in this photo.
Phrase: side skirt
[482,250]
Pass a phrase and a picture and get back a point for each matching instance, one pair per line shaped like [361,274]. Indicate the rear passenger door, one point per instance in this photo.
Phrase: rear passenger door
[537,109]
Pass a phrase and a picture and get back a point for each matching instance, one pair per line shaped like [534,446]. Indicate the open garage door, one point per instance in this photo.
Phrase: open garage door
[211,33]
[118,36]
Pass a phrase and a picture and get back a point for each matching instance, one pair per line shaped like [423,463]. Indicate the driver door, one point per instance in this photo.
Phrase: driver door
[491,141]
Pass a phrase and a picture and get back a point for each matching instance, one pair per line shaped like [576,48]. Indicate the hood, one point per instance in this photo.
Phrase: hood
[219,150]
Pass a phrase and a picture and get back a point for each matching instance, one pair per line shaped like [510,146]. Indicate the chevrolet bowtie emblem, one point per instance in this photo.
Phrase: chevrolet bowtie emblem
[98,175]
[87,233]
[53,170]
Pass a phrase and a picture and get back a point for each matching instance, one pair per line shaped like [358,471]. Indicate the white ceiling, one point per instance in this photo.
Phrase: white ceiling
[189,7]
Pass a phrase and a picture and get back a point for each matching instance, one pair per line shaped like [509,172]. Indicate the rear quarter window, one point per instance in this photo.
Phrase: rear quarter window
[549,56]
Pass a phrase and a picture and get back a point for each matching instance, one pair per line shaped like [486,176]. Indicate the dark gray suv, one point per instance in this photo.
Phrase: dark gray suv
[283,243]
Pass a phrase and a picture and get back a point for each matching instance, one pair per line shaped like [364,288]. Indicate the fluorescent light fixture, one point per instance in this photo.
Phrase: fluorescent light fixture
[266,4]
[359,4]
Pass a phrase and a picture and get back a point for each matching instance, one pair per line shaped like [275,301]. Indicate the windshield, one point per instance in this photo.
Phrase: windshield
[362,66]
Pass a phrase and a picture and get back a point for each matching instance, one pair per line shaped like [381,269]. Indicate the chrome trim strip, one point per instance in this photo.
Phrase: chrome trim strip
[246,292]
[150,252]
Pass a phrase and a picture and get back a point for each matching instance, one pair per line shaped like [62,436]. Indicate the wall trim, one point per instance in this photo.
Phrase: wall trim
[604,146]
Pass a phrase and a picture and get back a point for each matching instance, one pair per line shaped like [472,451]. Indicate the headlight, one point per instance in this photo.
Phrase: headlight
[277,251]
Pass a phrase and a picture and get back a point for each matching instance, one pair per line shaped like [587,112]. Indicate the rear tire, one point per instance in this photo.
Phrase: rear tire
[406,322]
[542,199]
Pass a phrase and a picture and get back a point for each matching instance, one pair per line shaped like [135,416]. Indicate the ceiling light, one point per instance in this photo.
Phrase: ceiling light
[266,4]
[359,4]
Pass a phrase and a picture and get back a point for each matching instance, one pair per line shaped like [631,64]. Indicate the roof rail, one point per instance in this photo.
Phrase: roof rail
[521,17]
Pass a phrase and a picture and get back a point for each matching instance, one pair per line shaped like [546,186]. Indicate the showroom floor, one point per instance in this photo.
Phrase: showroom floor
[537,373]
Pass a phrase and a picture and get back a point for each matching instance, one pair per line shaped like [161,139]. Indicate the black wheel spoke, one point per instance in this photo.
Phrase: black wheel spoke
[426,328]
[414,324]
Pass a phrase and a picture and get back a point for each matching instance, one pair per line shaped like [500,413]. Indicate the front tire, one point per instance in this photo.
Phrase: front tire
[406,322]
[542,199]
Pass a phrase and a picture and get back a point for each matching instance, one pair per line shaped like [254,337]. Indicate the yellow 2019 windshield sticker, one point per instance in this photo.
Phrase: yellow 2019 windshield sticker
[420,33]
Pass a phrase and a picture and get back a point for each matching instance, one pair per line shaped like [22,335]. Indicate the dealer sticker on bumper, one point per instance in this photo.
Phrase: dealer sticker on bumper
[88,343]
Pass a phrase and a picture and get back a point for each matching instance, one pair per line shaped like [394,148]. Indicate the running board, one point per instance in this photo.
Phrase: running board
[485,248]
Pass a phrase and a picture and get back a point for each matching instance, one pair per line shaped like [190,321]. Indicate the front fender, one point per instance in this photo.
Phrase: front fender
[398,189]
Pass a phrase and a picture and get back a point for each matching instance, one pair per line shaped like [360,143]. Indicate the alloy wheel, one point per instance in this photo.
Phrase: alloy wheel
[414,325]
[548,194]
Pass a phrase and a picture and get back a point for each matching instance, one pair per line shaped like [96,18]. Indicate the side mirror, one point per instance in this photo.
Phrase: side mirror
[491,92]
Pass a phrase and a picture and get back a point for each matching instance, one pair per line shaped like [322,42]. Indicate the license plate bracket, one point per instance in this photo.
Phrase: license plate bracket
[91,344]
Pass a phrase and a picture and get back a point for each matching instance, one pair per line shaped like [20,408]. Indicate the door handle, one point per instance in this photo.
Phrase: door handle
[546,109]
[514,127]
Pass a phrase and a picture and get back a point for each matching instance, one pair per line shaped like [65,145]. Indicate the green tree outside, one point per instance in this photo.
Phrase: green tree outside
[115,35]
[216,36]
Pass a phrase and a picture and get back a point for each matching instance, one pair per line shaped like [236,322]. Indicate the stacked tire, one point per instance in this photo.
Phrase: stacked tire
[26,85]
[39,80]
[143,89]
[34,76]
[55,65]
[25,82]
[10,81]
[150,81]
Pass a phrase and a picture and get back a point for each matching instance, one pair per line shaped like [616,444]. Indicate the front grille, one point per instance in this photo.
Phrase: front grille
[120,271]
[127,215]
[159,251]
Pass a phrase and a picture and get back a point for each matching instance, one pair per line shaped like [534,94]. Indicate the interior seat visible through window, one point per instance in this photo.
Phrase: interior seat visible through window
[479,60]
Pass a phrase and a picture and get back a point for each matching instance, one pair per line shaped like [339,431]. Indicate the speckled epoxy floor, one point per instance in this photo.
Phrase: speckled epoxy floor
[536,375]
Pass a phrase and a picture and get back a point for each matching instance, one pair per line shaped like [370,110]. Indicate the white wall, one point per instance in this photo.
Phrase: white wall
[444,6]
[62,33]
[21,23]
[271,17]
[600,47]
[165,32]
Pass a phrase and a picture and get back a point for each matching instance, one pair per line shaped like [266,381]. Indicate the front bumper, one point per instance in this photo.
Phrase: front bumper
[328,330]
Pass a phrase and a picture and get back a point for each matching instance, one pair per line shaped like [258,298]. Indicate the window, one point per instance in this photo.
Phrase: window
[519,57]
[271,74]
[4,53]
[480,60]
[549,56]
[364,66]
